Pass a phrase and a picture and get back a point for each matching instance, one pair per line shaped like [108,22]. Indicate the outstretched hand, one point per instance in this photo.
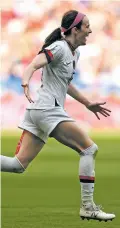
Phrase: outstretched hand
[97,108]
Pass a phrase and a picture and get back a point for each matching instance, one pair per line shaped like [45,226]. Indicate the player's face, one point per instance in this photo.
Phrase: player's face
[81,35]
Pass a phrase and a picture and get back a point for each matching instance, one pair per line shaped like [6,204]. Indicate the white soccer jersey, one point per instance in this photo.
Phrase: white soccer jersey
[57,75]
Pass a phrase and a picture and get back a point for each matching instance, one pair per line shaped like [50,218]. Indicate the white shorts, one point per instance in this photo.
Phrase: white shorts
[42,122]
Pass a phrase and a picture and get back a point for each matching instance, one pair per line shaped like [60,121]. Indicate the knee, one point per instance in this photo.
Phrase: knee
[92,150]
[95,149]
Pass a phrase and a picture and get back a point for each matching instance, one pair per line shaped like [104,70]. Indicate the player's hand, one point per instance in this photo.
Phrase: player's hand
[27,93]
[98,108]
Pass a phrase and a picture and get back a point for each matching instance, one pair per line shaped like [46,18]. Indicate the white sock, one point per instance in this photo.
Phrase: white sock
[9,164]
[87,174]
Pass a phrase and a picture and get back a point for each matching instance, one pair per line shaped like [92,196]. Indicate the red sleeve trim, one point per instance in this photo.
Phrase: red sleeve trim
[50,54]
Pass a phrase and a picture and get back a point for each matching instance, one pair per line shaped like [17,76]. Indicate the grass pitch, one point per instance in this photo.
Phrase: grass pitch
[47,195]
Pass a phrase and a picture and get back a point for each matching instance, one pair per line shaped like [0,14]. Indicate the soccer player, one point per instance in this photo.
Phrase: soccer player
[45,117]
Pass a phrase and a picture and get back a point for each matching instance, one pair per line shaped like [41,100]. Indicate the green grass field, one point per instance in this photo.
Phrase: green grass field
[47,195]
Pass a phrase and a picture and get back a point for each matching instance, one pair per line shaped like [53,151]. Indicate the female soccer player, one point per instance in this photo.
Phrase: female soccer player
[46,117]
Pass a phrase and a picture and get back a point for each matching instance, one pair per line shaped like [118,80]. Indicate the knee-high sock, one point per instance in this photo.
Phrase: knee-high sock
[87,174]
[9,164]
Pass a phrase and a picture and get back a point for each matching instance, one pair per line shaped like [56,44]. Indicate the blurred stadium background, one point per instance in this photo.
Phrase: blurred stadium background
[47,194]
[24,28]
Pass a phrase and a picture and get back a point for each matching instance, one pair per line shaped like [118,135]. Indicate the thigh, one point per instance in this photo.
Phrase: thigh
[69,134]
[28,147]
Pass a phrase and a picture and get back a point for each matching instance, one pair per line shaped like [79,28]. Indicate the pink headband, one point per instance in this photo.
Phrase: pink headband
[77,20]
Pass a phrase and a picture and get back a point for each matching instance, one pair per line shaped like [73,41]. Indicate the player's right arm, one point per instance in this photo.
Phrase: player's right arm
[54,52]
[38,62]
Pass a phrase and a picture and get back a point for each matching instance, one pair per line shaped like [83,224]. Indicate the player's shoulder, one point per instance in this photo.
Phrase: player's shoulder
[56,46]
[60,44]
[77,52]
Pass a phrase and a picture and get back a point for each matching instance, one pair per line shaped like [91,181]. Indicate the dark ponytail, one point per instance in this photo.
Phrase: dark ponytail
[55,35]
[67,20]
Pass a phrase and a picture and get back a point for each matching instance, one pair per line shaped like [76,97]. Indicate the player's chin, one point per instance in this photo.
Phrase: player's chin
[83,43]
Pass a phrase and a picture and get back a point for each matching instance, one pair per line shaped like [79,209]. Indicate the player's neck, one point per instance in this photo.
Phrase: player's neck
[71,43]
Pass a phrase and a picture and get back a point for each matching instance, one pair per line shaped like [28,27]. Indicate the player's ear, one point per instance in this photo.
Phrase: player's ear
[75,30]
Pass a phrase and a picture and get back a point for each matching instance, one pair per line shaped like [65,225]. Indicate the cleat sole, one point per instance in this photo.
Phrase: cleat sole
[82,217]
[100,220]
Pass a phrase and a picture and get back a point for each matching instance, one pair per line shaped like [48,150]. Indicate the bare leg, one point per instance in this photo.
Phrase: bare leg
[27,149]
[69,134]
[31,145]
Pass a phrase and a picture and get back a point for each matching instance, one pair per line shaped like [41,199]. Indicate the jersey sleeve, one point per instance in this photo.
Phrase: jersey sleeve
[54,52]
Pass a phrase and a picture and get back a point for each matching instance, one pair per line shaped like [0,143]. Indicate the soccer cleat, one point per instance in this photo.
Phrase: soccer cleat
[94,212]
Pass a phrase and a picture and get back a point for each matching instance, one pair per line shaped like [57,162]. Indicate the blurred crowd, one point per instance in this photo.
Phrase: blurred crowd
[25,25]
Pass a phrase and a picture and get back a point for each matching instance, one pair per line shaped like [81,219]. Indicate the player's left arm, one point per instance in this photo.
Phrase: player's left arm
[75,93]
[94,107]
